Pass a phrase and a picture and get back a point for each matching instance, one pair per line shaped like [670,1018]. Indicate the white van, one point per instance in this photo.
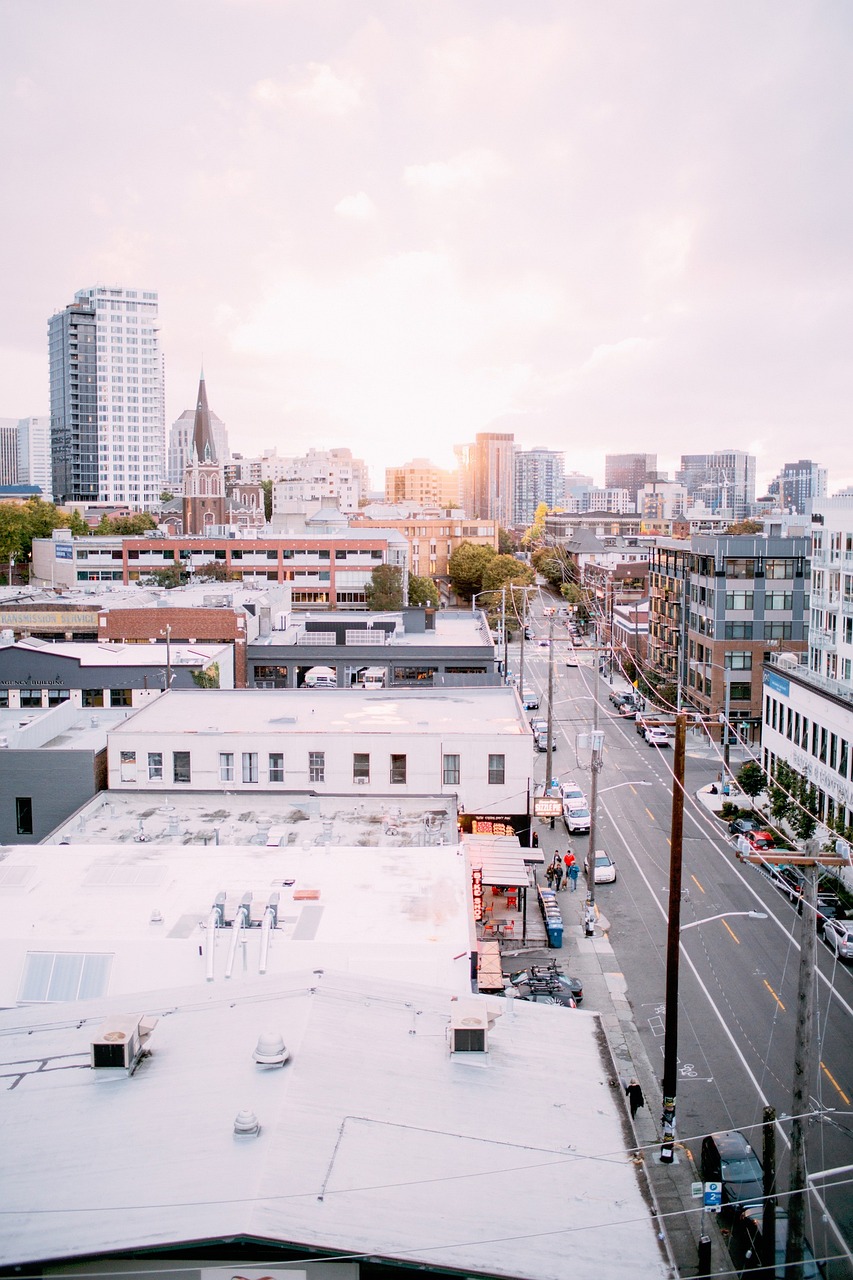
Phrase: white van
[320,678]
[374,678]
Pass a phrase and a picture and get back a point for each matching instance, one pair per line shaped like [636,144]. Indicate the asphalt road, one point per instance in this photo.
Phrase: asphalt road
[738,976]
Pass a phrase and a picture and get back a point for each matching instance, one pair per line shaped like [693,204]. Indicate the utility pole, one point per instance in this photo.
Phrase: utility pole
[549,755]
[768,1222]
[523,626]
[673,944]
[503,624]
[803,1074]
[596,764]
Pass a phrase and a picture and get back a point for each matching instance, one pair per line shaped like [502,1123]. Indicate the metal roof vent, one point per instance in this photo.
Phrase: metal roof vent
[156,916]
[246,1124]
[271,1050]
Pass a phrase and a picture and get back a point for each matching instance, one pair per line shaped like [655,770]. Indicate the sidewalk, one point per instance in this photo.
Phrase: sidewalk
[605,992]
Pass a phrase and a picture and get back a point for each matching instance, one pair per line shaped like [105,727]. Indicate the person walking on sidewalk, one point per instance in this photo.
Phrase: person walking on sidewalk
[635,1096]
[549,875]
[572,873]
[558,871]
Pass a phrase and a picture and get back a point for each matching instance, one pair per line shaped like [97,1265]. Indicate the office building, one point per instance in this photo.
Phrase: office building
[487,476]
[800,484]
[539,477]
[629,471]
[721,481]
[422,484]
[808,700]
[34,461]
[9,472]
[107,412]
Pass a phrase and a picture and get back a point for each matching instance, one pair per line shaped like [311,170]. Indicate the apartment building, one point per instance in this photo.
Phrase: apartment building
[808,701]
[722,480]
[719,606]
[540,476]
[432,539]
[422,484]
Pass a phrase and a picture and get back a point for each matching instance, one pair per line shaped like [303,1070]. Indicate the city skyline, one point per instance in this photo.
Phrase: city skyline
[373,222]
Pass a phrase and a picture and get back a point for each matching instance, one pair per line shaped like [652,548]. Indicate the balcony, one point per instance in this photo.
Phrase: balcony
[821,639]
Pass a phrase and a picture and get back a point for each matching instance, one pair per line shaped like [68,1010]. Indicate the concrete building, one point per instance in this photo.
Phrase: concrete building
[422,484]
[180,442]
[322,475]
[418,648]
[107,413]
[800,485]
[719,607]
[661,500]
[488,482]
[9,470]
[539,477]
[34,457]
[433,537]
[722,480]
[808,703]
[629,471]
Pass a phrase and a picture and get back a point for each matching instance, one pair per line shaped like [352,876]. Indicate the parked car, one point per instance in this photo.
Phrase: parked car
[530,700]
[572,793]
[538,725]
[791,882]
[548,977]
[540,740]
[657,736]
[528,634]
[728,1158]
[576,817]
[628,711]
[838,936]
[605,868]
[618,696]
[740,826]
[758,840]
[745,1244]
[571,660]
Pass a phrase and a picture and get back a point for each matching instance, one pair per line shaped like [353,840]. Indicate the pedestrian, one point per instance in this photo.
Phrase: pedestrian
[569,859]
[534,843]
[558,872]
[549,875]
[573,876]
[635,1096]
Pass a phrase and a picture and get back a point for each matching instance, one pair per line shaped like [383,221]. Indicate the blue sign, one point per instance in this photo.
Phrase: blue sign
[64,551]
[780,684]
[713,1198]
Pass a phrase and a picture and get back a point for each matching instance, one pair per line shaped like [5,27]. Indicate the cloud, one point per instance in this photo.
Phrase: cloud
[359,207]
[469,171]
[315,86]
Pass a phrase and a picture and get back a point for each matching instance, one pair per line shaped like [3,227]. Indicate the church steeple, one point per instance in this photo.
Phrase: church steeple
[203,444]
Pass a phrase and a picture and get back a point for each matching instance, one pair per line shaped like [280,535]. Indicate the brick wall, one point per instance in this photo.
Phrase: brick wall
[197,625]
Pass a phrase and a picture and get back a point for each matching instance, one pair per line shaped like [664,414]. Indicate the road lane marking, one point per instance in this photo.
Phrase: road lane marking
[826,1071]
[649,812]
[696,882]
[633,788]
[774,995]
[732,932]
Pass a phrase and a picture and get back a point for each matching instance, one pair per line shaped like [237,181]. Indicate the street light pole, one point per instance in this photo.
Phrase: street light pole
[673,944]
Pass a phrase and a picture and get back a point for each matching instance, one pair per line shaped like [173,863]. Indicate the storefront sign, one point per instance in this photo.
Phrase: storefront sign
[477,891]
[547,806]
[46,618]
[64,551]
[780,684]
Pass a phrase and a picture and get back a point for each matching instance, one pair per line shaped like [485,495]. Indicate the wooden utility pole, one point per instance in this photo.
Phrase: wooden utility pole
[549,758]
[803,1074]
[673,943]
[768,1221]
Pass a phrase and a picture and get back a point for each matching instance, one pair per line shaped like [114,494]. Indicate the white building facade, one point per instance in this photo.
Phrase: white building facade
[34,464]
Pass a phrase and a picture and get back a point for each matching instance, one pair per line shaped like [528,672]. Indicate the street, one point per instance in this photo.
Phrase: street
[738,976]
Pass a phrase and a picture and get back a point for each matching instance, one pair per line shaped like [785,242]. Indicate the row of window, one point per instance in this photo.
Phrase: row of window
[249,767]
[828,808]
[827,747]
[53,697]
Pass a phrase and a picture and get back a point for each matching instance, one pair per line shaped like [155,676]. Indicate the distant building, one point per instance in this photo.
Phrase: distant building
[107,415]
[574,483]
[539,477]
[721,480]
[661,500]
[204,477]
[34,459]
[421,483]
[629,471]
[180,445]
[800,485]
[487,470]
[320,475]
[8,451]
[433,538]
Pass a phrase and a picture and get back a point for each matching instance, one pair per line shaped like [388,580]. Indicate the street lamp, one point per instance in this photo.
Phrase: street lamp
[723,915]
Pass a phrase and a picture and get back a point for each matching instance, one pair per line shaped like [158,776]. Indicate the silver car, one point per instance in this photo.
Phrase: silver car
[838,936]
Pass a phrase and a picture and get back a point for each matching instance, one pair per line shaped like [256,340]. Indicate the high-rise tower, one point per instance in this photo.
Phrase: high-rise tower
[107,410]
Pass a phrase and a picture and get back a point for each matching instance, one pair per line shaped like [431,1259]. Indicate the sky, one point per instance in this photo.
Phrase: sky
[609,226]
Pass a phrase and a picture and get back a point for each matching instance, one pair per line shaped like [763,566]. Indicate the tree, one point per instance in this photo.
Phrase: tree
[167,496]
[507,542]
[422,591]
[141,522]
[532,536]
[466,567]
[266,485]
[751,779]
[803,816]
[745,526]
[555,566]
[385,589]
[215,571]
[208,678]
[173,576]
[781,788]
[501,570]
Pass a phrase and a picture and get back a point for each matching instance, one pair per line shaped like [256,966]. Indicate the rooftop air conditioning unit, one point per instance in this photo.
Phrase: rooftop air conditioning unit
[121,1042]
[470,1023]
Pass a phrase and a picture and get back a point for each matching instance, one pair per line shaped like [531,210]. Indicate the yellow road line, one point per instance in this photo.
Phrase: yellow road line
[669,842]
[774,995]
[633,788]
[826,1071]
[732,932]
[696,882]
[651,815]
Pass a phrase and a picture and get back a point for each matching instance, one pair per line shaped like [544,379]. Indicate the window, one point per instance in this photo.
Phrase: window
[398,768]
[93,697]
[270,677]
[739,661]
[316,766]
[451,773]
[740,692]
[226,766]
[276,766]
[50,975]
[250,766]
[778,630]
[31,697]
[55,696]
[120,698]
[360,767]
[155,766]
[24,815]
[775,600]
[127,766]
[740,568]
[740,599]
[497,769]
[181,766]
[779,568]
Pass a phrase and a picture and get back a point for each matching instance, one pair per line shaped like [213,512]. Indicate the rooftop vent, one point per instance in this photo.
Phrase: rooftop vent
[246,1124]
[270,1050]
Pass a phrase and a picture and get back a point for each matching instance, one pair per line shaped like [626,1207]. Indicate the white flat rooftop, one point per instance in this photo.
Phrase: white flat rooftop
[124,655]
[478,710]
[373,1140]
[451,629]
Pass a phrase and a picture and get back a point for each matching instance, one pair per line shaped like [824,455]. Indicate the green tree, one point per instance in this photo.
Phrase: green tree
[173,576]
[751,779]
[781,788]
[507,542]
[466,567]
[215,571]
[745,526]
[208,678]
[167,496]
[140,522]
[534,534]
[266,485]
[555,565]
[423,591]
[385,589]
[803,816]
[501,570]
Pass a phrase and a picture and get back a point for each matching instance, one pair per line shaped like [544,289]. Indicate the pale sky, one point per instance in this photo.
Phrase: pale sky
[604,225]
